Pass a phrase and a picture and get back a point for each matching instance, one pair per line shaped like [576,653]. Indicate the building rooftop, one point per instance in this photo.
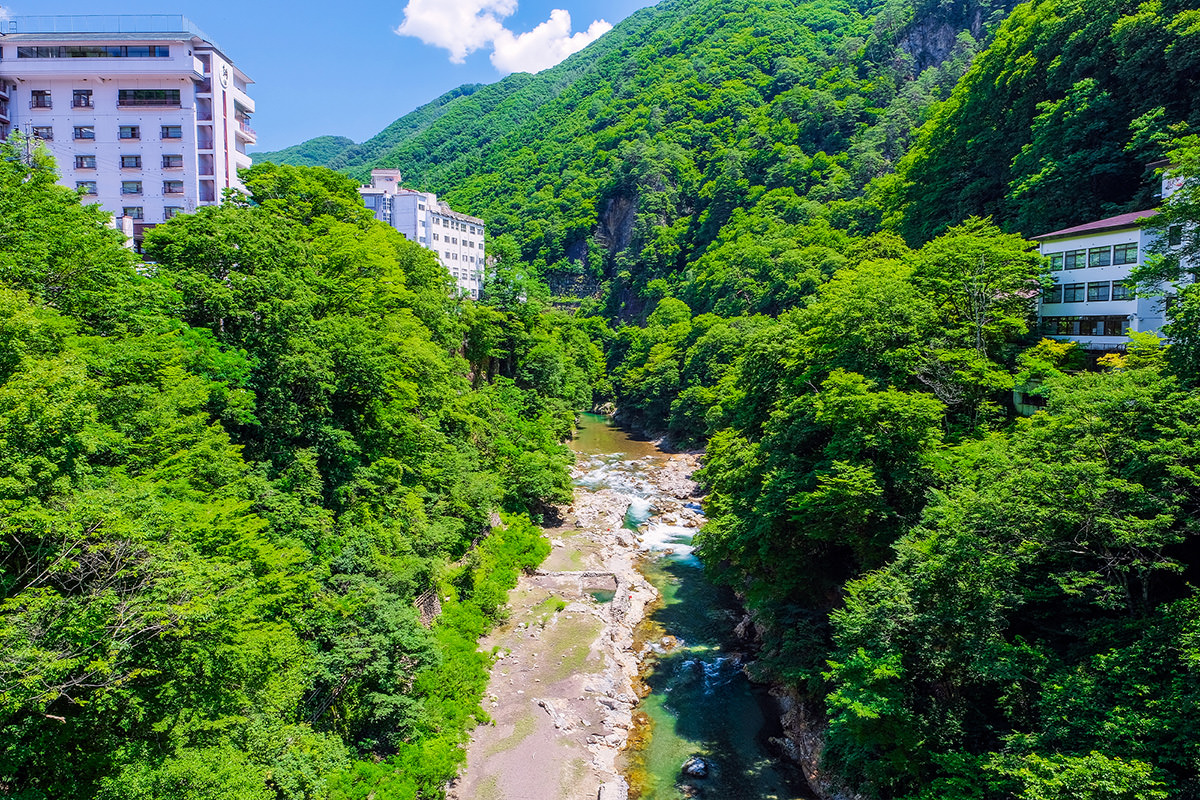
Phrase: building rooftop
[1129,220]
[122,25]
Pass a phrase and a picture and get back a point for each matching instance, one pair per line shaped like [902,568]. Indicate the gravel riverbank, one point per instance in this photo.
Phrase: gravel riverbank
[562,691]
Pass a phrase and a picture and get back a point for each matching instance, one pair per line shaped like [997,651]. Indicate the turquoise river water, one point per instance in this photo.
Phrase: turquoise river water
[700,703]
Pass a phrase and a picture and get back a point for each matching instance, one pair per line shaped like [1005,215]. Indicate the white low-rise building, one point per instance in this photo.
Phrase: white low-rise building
[1092,301]
[457,239]
[145,114]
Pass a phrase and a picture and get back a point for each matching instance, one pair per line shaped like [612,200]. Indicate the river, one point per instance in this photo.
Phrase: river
[699,702]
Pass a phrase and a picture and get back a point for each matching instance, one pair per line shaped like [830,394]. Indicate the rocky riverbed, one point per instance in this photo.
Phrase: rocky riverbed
[562,691]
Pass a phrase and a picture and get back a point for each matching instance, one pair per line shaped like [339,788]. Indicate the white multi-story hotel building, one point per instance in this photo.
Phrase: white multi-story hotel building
[145,114]
[1092,301]
[457,239]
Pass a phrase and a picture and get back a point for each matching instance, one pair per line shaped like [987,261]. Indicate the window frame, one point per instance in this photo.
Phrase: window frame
[1075,259]
[1124,249]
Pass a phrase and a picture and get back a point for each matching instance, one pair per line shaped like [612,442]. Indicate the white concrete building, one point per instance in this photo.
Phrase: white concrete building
[457,239]
[145,114]
[1092,301]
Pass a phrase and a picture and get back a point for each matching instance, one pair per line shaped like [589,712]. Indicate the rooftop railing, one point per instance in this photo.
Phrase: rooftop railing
[107,23]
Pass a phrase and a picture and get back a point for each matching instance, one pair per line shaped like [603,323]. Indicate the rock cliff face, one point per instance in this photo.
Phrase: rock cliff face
[615,228]
[804,728]
[803,741]
[930,39]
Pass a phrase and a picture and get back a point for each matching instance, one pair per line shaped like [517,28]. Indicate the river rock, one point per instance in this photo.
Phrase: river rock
[695,767]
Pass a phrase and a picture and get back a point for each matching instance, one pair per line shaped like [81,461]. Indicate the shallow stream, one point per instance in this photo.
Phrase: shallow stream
[700,703]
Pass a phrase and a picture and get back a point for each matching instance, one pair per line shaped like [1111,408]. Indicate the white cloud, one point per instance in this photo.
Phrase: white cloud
[545,45]
[463,26]
[460,26]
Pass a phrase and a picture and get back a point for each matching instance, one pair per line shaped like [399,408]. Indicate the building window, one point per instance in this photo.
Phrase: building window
[95,51]
[1074,292]
[131,187]
[172,187]
[1112,326]
[81,98]
[1075,259]
[1125,254]
[435,237]
[148,98]
[172,162]
[1099,257]
[1121,291]
[85,131]
[1175,235]
[85,162]
[133,212]
[172,132]
[421,206]
[131,162]
[1052,294]
[1097,292]
[87,187]
[43,132]
[171,211]
[129,132]
[40,98]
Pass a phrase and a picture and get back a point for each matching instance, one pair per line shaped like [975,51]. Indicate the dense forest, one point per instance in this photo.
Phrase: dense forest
[228,472]
[792,233]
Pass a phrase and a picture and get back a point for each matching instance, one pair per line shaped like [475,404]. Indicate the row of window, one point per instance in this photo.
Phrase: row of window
[455,224]
[1092,292]
[1108,256]
[82,98]
[1085,326]
[454,240]
[130,187]
[126,132]
[96,51]
[139,212]
[170,161]
[454,257]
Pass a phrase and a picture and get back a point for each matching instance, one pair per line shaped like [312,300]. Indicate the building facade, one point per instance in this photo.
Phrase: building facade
[1092,301]
[457,239]
[146,115]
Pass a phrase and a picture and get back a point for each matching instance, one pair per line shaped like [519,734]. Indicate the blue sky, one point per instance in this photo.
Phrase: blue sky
[340,68]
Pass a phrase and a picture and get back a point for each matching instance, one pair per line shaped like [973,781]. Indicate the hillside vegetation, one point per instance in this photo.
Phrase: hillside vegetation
[313,153]
[626,161]
[798,229]
[227,475]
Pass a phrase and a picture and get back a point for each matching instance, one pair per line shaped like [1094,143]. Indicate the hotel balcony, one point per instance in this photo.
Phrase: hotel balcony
[244,132]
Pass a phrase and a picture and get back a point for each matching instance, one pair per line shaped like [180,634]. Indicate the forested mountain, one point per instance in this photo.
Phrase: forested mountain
[313,153]
[627,160]
[1058,121]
